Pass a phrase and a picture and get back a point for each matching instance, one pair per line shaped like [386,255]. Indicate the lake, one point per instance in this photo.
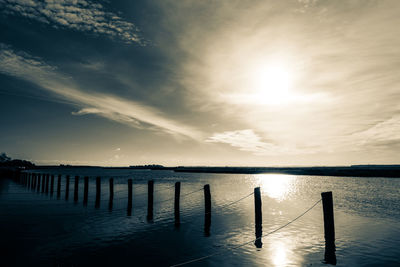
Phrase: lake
[38,229]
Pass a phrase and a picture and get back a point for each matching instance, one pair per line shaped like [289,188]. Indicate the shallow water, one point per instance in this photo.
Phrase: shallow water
[40,230]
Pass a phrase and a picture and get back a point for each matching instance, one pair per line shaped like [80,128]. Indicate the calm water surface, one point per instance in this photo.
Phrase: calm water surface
[41,230]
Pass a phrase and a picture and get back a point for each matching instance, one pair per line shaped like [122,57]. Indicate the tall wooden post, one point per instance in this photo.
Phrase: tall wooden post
[329,227]
[47,183]
[176,203]
[67,188]
[98,192]
[59,186]
[33,187]
[207,210]
[85,190]
[110,201]
[29,180]
[52,185]
[76,188]
[130,193]
[258,216]
[150,199]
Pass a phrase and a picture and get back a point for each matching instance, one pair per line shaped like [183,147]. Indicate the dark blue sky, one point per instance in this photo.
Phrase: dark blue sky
[200,82]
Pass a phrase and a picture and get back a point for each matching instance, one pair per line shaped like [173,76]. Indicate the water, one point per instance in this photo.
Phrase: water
[41,230]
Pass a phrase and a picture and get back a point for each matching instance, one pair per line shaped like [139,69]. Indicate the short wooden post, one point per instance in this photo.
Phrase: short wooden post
[176,203]
[329,227]
[52,185]
[207,210]
[258,216]
[76,188]
[38,182]
[67,188]
[47,183]
[130,193]
[150,199]
[98,191]
[43,182]
[85,190]
[59,186]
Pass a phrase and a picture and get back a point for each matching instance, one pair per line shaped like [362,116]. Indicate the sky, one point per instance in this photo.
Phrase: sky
[219,83]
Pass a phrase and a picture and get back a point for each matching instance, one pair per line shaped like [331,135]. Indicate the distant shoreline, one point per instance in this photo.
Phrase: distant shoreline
[391,171]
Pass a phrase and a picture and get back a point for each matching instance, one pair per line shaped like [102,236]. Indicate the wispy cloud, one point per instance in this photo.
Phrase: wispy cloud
[248,140]
[81,15]
[134,114]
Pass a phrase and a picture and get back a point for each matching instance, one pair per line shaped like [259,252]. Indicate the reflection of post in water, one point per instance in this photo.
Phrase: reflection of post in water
[98,191]
[207,210]
[59,186]
[43,182]
[258,216]
[47,183]
[52,185]
[85,190]
[67,187]
[129,208]
[76,186]
[176,204]
[110,201]
[38,183]
[329,228]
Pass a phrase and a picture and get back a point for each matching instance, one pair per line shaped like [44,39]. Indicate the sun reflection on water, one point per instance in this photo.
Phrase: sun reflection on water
[276,186]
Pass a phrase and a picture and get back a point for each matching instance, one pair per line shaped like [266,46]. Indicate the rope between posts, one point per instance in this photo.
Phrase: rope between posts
[248,242]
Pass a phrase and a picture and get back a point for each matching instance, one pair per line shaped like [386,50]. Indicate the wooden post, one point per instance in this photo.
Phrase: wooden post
[130,193]
[59,186]
[52,185]
[47,183]
[150,199]
[38,182]
[207,210]
[29,180]
[176,203]
[43,182]
[85,190]
[258,216]
[33,187]
[110,201]
[98,191]
[67,188]
[76,187]
[329,227]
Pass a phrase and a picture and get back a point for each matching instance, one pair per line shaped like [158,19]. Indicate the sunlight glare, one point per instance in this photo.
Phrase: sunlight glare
[276,186]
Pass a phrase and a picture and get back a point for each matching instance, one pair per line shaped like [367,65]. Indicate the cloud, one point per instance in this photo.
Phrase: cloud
[131,113]
[80,15]
[248,140]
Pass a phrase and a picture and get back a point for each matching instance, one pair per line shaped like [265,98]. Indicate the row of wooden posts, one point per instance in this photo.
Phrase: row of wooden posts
[45,183]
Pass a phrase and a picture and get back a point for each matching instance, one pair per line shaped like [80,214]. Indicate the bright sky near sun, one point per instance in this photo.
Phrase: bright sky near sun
[265,83]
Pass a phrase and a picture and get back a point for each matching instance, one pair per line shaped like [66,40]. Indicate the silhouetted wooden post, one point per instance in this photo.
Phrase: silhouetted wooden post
[150,198]
[130,193]
[52,185]
[29,180]
[85,190]
[43,182]
[59,186]
[329,227]
[33,187]
[67,188]
[76,187]
[38,182]
[98,191]
[176,203]
[47,183]
[207,210]
[110,201]
[258,216]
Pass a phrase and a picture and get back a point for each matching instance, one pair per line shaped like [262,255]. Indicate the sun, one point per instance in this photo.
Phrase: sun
[271,84]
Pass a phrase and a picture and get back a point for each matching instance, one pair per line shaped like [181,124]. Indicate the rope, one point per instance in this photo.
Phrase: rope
[248,242]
